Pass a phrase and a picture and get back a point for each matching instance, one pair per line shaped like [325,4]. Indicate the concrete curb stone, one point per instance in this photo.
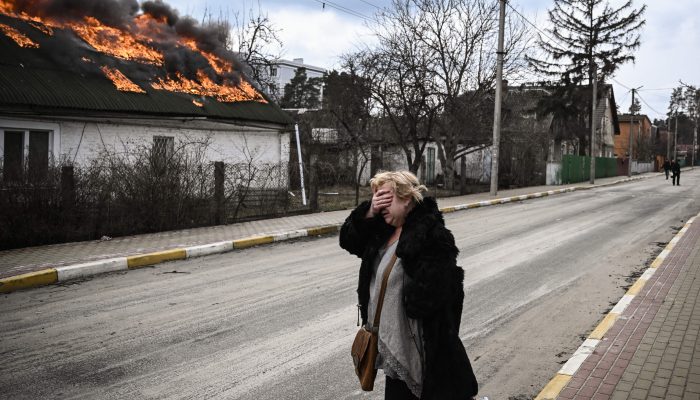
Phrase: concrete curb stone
[555,386]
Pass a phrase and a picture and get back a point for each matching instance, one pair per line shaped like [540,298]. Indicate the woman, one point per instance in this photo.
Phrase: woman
[419,347]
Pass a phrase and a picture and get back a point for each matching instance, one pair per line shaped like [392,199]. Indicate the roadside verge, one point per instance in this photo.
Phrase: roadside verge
[81,270]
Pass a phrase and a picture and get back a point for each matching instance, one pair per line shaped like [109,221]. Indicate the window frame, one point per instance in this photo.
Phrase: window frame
[26,127]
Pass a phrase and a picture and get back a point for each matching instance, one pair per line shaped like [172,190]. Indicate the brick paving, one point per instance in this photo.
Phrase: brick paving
[652,351]
[19,261]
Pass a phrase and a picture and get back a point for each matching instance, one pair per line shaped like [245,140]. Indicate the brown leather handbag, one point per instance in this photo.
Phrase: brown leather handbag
[364,349]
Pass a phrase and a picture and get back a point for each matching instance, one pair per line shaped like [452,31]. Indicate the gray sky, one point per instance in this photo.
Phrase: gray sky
[670,48]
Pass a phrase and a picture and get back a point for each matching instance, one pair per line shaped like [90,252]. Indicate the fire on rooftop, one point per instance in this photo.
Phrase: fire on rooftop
[146,44]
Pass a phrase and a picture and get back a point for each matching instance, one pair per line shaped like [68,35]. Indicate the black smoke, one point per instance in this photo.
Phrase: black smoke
[117,13]
[160,10]
[121,14]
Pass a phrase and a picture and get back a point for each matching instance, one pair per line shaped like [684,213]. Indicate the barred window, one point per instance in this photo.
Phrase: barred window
[163,147]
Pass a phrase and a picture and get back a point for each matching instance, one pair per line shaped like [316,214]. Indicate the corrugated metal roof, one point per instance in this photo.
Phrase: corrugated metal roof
[33,79]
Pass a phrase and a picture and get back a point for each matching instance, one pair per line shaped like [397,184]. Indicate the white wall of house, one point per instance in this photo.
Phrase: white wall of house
[394,158]
[78,142]
[553,173]
[478,165]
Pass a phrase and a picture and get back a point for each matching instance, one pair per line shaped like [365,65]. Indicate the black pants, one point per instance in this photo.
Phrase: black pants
[666,174]
[676,178]
[396,389]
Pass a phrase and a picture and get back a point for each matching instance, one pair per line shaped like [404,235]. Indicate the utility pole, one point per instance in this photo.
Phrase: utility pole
[695,143]
[675,140]
[668,138]
[632,109]
[301,165]
[594,80]
[497,106]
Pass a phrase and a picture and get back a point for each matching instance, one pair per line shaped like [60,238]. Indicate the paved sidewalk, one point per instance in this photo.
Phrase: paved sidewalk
[21,261]
[652,350]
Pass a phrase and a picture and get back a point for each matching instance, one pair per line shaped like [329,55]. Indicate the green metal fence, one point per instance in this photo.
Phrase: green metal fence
[578,168]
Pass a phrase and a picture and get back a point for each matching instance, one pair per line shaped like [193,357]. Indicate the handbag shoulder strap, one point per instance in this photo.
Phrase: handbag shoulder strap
[380,300]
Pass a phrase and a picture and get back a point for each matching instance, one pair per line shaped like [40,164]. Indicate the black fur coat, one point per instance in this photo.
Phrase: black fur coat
[434,296]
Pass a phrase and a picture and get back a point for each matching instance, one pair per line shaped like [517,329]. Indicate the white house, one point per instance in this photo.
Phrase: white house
[70,109]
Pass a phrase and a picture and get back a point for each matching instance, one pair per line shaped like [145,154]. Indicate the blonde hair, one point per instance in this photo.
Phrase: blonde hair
[404,183]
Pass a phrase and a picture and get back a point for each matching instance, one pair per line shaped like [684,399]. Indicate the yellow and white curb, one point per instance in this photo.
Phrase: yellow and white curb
[65,273]
[567,371]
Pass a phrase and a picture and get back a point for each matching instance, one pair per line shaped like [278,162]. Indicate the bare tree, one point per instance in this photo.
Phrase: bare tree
[462,35]
[254,38]
[434,70]
[348,100]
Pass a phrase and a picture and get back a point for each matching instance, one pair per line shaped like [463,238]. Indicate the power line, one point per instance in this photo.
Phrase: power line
[621,84]
[646,90]
[647,104]
[343,9]
[625,98]
[533,25]
[368,3]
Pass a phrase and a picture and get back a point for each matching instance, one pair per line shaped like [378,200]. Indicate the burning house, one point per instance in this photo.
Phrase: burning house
[81,77]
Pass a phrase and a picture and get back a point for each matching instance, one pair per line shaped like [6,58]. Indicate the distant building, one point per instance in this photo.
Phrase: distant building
[282,71]
[641,129]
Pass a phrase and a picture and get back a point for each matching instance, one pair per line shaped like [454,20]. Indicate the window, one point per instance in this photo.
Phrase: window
[273,71]
[163,147]
[12,160]
[26,149]
[38,156]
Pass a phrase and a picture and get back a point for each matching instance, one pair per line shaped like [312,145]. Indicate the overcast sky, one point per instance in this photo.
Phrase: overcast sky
[670,48]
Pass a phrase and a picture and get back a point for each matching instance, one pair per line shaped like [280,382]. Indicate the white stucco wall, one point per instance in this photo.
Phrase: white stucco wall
[394,158]
[80,141]
[478,165]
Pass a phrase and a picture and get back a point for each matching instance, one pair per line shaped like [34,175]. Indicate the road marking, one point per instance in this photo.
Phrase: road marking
[208,249]
[322,230]
[278,237]
[91,268]
[142,260]
[252,241]
[622,304]
[584,350]
[554,387]
[603,326]
[29,280]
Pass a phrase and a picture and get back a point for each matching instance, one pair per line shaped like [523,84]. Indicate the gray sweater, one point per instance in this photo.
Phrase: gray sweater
[400,338]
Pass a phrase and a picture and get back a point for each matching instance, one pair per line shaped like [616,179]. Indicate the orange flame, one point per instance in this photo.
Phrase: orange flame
[197,103]
[115,42]
[207,87]
[120,81]
[135,44]
[19,38]
[219,65]
[41,27]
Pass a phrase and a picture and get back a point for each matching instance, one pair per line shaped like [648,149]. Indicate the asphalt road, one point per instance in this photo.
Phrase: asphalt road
[276,322]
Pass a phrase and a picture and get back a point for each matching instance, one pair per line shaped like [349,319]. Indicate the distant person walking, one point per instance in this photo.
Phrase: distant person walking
[667,167]
[419,346]
[676,172]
